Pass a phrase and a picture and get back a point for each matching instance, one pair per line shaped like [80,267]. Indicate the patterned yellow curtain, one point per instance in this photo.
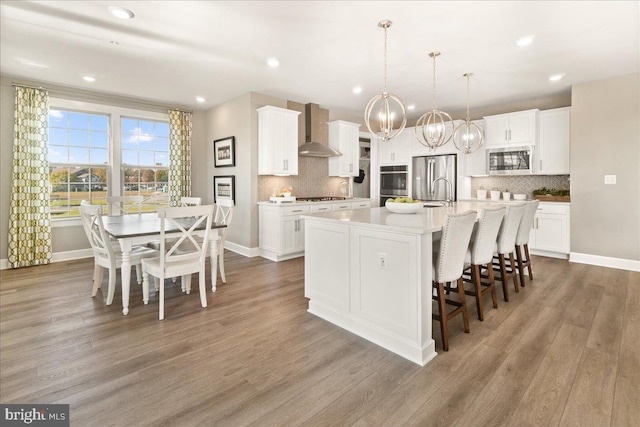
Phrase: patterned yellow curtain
[179,156]
[29,218]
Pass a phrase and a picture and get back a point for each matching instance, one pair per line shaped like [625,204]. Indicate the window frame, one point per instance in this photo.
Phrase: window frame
[114,167]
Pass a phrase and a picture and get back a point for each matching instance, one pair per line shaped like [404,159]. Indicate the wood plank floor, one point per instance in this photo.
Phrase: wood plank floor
[565,351]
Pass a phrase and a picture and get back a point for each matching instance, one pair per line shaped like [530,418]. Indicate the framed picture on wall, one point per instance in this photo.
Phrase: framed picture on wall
[224,187]
[224,152]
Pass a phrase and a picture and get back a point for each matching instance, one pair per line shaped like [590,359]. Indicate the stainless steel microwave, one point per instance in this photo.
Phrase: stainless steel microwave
[510,160]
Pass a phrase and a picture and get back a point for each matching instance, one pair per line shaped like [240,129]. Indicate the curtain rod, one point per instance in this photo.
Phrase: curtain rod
[101,96]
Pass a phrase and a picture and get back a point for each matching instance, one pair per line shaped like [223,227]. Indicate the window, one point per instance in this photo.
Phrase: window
[98,150]
[78,160]
[145,161]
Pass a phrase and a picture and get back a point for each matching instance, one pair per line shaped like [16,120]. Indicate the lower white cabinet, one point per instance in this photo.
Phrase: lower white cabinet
[550,231]
[281,230]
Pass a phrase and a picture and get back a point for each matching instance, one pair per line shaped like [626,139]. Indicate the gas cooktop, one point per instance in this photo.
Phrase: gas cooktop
[319,199]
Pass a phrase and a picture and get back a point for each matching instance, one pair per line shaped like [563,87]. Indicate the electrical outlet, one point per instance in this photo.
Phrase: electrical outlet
[382,260]
[609,179]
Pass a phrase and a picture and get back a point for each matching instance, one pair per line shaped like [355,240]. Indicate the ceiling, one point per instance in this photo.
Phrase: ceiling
[173,51]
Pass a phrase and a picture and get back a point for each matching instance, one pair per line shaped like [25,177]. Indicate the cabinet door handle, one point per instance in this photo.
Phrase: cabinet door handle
[509,134]
[540,164]
[536,223]
[506,135]
[297,210]
[297,225]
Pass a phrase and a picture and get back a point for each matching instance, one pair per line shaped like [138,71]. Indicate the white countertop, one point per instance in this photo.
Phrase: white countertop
[429,220]
[299,203]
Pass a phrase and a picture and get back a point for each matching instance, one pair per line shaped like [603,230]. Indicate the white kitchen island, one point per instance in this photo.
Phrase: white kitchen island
[369,271]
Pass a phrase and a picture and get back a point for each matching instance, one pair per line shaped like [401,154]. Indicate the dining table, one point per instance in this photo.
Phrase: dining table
[136,229]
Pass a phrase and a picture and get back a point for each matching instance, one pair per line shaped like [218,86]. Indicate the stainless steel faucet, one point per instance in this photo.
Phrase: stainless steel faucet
[433,189]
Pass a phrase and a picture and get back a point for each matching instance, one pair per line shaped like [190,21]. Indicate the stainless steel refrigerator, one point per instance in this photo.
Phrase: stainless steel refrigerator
[434,177]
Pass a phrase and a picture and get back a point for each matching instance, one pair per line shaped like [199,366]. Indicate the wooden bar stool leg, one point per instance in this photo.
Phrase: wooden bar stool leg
[465,314]
[475,277]
[444,327]
[520,264]
[503,273]
[512,262]
[492,280]
[526,252]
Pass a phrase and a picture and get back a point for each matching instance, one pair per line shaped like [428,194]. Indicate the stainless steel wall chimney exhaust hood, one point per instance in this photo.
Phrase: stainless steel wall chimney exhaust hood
[311,147]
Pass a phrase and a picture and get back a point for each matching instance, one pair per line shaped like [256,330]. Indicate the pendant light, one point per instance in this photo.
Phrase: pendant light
[431,128]
[382,106]
[468,137]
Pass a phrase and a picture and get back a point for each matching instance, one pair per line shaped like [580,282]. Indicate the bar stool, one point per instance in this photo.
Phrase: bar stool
[448,264]
[522,239]
[480,255]
[506,245]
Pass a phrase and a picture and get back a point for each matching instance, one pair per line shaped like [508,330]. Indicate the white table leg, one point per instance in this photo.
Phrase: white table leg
[214,259]
[125,272]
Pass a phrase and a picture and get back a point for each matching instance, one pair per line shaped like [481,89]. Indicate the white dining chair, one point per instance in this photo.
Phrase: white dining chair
[224,215]
[121,205]
[448,265]
[188,259]
[190,201]
[106,253]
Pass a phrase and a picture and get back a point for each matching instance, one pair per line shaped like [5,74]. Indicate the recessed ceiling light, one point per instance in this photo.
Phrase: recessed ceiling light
[411,107]
[88,78]
[113,42]
[525,41]
[121,12]
[273,62]
[200,99]
[556,77]
[357,89]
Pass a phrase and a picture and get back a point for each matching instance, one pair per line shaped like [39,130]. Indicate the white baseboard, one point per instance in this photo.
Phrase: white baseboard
[604,261]
[242,250]
[549,254]
[58,257]
[272,256]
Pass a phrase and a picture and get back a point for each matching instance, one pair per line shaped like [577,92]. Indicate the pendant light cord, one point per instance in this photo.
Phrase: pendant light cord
[385,58]
[468,97]
[434,82]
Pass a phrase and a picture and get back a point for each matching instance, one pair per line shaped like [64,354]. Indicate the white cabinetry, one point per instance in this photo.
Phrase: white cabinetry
[553,143]
[277,141]
[395,151]
[550,232]
[518,128]
[344,137]
[281,231]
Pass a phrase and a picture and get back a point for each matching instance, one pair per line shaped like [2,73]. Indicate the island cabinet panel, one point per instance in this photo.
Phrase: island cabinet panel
[384,269]
[327,273]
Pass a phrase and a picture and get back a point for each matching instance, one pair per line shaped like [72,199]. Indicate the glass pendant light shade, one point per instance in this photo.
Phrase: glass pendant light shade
[386,110]
[435,128]
[468,136]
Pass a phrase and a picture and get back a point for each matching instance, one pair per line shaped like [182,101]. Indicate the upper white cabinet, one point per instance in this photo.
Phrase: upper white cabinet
[395,151]
[277,141]
[518,128]
[344,137]
[553,143]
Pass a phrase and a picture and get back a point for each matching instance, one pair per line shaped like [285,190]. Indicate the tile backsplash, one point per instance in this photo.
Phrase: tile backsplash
[520,184]
[312,180]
